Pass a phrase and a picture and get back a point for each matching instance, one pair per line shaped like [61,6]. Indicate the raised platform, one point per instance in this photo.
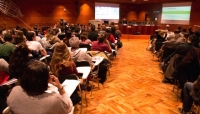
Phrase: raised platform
[130,36]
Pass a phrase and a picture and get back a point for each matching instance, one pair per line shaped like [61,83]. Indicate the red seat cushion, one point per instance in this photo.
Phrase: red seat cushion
[4,76]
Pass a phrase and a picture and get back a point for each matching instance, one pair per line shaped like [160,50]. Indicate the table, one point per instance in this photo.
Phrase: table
[143,30]
[85,70]
[97,60]
[68,85]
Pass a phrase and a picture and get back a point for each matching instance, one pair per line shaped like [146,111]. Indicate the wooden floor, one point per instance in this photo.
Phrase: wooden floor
[134,85]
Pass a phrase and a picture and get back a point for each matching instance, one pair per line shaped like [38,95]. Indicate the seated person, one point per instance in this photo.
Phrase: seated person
[110,38]
[33,44]
[31,93]
[79,55]
[191,94]
[53,37]
[84,38]
[102,44]
[62,64]
[4,71]
[7,48]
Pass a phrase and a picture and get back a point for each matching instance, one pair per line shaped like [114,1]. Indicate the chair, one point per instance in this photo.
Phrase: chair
[62,78]
[88,46]
[177,59]
[176,85]
[4,76]
[93,73]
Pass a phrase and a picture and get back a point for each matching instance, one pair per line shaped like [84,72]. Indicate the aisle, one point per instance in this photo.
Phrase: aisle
[134,86]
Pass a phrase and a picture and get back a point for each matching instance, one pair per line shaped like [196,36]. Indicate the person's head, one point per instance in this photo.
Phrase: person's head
[19,39]
[61,55]
[55,31]
[92,27]
[113,29]
[20,58]
[74,42]
[179,28]
[108,30]
[34,80]
[30,36]
[194,40]
[184,30]
[84,36]
[77,29]
[102,37]
[8,37]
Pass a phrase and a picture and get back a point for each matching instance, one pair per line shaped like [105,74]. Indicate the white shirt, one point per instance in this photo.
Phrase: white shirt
[34,45]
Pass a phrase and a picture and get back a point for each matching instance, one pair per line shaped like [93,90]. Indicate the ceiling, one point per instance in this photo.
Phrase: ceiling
[142,1]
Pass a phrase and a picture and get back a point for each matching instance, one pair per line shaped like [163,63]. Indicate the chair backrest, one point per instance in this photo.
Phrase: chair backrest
[82,63]
[63,77]
[4,76]
[7,111]
[85,46]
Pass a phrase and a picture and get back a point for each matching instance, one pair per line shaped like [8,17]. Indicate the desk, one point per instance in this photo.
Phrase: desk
[85,70]
[97,60]
[68,85]
[143,30]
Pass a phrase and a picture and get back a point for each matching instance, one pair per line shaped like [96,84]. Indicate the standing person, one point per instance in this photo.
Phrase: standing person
[31,93]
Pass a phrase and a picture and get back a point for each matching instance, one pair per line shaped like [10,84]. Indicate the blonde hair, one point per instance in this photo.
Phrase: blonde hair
[61,56]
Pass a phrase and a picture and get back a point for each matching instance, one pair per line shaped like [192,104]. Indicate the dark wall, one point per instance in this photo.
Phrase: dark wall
[49,12]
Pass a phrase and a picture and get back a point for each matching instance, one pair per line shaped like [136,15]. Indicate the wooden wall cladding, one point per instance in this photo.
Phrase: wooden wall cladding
[49,12]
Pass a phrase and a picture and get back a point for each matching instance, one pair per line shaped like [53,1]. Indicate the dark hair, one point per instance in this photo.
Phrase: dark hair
[83,37]
[18,60]
[34,80]
[29,36]
[77,29]
[108,30]
[7,37]
[102,37]
[18,39]
[25,31]
[92,27]
[194,40]
[179,27]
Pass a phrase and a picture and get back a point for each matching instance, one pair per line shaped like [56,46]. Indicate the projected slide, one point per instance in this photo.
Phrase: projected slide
[106,13]
[176,14]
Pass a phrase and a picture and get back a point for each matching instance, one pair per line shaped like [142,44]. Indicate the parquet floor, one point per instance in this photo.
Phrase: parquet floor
[134,85]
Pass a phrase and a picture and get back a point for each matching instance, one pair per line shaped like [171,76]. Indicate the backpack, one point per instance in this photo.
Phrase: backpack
[119,44]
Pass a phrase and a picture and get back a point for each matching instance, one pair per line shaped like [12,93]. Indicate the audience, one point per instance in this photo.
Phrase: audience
[31,96]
